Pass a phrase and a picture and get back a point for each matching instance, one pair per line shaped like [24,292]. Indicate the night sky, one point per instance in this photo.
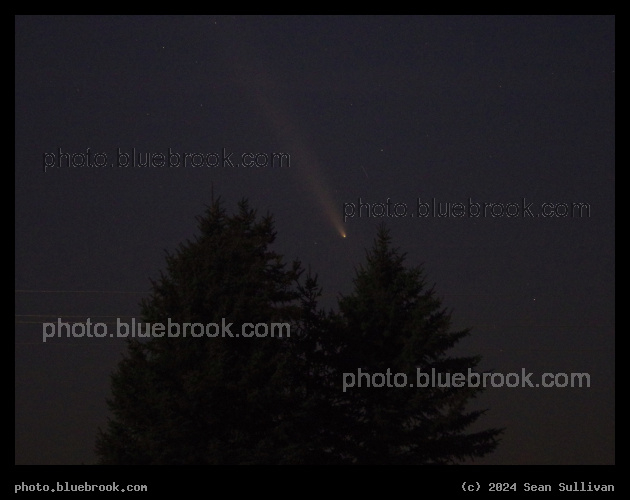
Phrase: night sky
[456,109]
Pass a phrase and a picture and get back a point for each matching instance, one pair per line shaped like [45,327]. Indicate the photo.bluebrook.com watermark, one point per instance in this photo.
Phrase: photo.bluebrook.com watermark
[431,208]
[137,329]
[424,379]
[170,158]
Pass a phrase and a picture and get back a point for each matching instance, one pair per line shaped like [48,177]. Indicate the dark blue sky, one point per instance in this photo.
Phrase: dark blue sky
[493,109]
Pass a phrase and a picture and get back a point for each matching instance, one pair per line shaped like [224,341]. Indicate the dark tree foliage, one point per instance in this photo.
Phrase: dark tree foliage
[209,400]
[394,321]
[270,400]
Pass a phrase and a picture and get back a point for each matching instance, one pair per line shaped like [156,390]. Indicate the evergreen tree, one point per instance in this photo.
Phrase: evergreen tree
[220,400]
[394,321]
